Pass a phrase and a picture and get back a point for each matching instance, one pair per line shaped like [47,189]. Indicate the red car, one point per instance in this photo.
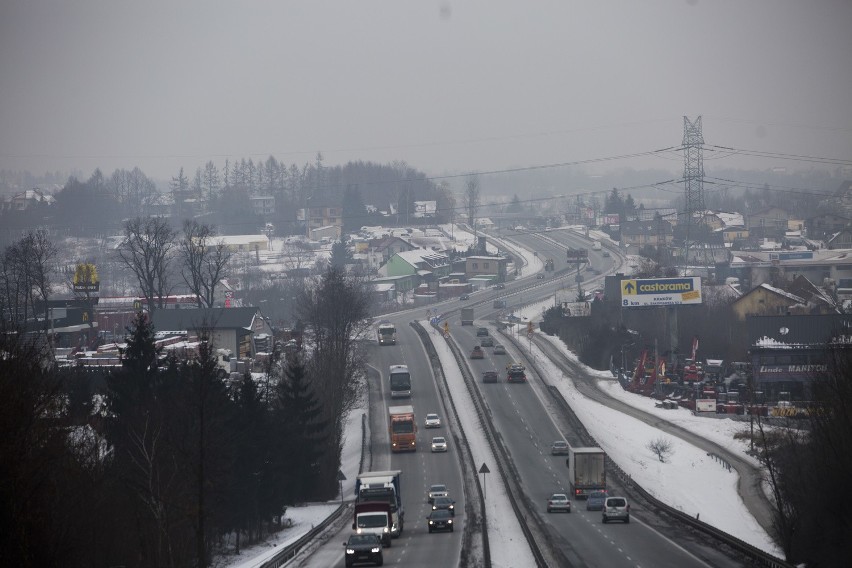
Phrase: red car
[477,353]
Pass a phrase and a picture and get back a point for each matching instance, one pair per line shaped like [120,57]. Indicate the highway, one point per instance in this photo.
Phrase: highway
[420,469]
[528,423]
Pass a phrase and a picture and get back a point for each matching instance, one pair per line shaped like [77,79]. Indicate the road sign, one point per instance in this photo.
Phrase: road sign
[660,291]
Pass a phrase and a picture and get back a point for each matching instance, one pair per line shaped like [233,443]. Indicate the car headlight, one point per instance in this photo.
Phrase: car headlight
[431,522]
[385,529]
[375,550]
[434,507]
[359,530]
[350,551]
[452,507]
[449,521]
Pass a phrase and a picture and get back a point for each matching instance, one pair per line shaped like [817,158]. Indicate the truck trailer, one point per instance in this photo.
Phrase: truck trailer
[383,486]
[467,316]
[403,428]
[586,471]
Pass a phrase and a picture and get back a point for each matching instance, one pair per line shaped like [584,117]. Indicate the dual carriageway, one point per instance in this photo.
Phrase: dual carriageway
[526,419]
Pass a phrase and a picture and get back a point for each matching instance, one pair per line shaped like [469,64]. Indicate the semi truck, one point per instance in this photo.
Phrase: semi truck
[403,428]
[467,316]
[384,487]
[586,471]
[373,517]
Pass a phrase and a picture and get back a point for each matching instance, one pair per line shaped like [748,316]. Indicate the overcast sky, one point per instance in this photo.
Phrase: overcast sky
[447,86]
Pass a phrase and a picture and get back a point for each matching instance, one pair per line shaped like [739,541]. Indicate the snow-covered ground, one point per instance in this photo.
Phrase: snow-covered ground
[690,480]
[306,517]
[505,538]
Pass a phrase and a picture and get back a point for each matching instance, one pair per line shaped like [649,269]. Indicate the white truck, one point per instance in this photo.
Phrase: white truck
[384,487]
[596,245]
[586,471]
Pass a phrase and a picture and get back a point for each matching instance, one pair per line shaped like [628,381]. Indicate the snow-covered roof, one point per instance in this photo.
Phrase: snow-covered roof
[784,293]
[731,219]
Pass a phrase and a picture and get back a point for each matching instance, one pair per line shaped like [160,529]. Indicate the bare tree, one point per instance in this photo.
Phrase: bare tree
[661,448]
[25,276]
[470,200]
[205,261]
[211,180]
[336,313]
[147,252]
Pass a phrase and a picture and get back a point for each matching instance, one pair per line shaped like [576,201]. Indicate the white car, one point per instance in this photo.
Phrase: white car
[437,490]
[439,444]
[433,421]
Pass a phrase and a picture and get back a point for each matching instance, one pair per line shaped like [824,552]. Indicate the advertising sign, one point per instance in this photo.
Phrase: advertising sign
[705,405]
[576,254]
[660,292]
[792,255]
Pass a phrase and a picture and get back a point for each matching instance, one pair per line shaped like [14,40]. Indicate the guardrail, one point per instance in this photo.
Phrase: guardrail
[291,550]
[757,556]
[438,370]
[504,464]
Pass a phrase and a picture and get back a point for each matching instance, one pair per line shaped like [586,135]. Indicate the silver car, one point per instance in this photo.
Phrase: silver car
[558,502]
[616,509]
[433,421]
[439,444]
[437,490]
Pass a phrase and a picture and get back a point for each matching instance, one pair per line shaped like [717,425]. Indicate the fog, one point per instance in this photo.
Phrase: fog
[445,86]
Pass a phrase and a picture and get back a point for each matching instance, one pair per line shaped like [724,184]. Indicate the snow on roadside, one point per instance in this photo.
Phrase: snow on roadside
[505,537]
[690,480]
[306,517]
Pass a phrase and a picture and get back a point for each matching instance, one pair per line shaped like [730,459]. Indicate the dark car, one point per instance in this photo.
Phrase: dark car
[516,373]
[487,341]
[444,503]
[464,297]
[540,276]
[363,548]
[477,353]
[499,286]
[440,520]
[595,501]
[482,332]
[490,377]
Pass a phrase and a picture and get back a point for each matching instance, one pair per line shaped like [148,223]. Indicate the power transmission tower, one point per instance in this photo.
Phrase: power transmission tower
[693,179]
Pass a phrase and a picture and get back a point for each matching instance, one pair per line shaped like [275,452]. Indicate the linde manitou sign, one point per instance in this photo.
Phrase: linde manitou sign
[660,292]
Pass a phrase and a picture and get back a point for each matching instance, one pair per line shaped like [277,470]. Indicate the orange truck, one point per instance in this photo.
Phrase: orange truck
[403,428]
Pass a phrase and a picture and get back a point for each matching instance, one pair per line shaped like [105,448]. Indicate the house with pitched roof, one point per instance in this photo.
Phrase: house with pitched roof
[229,328]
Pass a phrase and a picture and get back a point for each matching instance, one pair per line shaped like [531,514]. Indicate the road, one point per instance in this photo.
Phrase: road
[523,416]
[415,547]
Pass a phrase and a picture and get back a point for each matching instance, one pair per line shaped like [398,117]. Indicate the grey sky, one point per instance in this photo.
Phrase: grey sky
[447,86]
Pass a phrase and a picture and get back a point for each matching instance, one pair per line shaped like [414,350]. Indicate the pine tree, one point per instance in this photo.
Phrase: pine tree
[298,417]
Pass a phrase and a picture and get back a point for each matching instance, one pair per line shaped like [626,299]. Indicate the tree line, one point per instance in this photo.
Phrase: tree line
[221,196]
[162,462]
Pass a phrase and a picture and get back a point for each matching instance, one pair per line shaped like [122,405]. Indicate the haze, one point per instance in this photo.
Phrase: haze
[445,86]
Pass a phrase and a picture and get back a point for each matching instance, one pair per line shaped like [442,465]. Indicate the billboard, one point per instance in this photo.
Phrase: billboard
[660,292]
[576,255]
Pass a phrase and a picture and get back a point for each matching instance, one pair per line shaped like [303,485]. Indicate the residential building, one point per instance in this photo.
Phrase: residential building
[263,205]
[26,199]
[493,267]
[228,328]
[647,233]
